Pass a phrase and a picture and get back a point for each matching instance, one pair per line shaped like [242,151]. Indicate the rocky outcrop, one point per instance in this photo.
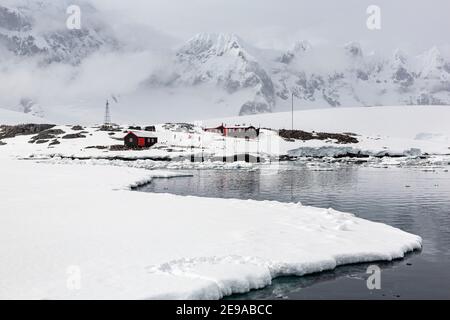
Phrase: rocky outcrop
[74,136]
[341,138]
[23,129]
[46,135]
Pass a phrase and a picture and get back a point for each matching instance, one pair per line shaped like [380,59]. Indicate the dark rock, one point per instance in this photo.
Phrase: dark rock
[97,147]
[119,147]
[73,136]
[2,143]
[403,77]
[252,107]
[47,135]
[304,136]
[23,129]
[362,75]
[134,128]
[41,141]
[54,142]
[77,128]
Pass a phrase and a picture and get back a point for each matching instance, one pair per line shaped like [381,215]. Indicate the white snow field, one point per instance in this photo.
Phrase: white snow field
[79,232]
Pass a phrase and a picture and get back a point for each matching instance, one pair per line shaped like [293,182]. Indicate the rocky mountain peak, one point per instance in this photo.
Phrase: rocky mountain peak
[298,49]
[207,45]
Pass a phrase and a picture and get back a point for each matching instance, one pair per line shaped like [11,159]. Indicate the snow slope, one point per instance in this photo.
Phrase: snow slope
[81,234]
[8,117]
[391,121]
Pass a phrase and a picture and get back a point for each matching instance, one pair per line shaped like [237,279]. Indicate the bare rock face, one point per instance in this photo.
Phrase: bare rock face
[73,136]
[23,129]
[252,107]
[46,135]
[77,128]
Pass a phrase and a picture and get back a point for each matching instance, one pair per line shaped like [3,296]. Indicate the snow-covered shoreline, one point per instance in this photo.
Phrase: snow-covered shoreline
[57,216]
[134,245]
[382,131]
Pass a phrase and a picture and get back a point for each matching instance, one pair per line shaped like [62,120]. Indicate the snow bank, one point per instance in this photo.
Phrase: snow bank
[77,232]
[394,131]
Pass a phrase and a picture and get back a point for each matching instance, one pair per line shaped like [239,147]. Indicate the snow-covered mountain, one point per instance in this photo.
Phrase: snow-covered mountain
[225,60]
[37,29]
[209,71]
[342,76]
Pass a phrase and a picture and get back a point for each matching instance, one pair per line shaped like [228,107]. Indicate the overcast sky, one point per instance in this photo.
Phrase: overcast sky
[413,25]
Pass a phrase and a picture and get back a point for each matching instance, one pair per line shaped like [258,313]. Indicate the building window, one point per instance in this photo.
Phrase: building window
[130,139]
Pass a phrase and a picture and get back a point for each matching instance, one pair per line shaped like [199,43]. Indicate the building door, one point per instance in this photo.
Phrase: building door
[141,142]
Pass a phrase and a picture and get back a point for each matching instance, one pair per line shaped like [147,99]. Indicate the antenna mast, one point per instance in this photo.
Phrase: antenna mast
[107,122]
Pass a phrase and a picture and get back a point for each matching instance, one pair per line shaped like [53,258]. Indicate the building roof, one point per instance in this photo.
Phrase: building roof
[143,134]
[232,127]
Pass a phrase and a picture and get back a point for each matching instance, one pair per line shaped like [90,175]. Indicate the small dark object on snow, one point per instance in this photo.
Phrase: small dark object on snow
[134,128]
[2,143]
[73,136]
[77,128]
[41,141]
[150,128]
[119,147]
[409,264]
[54,142]
[97,147]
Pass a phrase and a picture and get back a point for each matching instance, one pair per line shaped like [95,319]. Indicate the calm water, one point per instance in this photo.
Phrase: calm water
[412,199]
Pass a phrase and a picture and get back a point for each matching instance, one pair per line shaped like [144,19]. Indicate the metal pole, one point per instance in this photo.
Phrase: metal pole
[292,111]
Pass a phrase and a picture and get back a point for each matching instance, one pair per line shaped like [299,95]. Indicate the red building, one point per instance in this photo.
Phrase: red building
[140,139]
[249,132]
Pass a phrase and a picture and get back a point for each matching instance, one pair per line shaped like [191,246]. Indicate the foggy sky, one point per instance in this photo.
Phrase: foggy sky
[413,25]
